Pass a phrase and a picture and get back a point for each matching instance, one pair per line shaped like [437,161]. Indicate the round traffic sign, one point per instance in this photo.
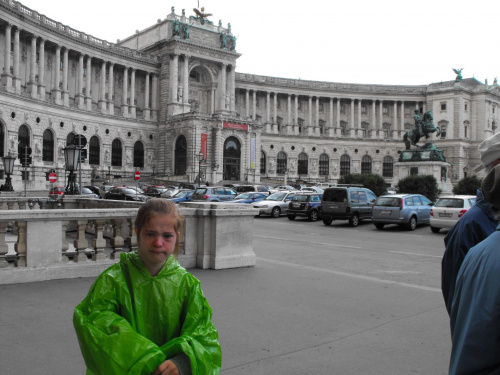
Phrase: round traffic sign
[137,175]
[52,177]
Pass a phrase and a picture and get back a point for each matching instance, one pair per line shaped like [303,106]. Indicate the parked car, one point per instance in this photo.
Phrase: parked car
[124,193]
[275,204]
[282,187]
[213,194]
[169,193]
[88,192]
[448,210]
[95,189]
[312,189]
[154,191]
[305,204]
[351,203]
[409,210]
[182,196]
[249,197]
[57,190]
[245,188]
[104,189]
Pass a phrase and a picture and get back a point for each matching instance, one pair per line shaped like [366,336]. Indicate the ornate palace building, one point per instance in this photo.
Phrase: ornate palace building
[169,96]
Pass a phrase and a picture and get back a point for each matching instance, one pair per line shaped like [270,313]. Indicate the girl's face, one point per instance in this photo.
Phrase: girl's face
[156,242]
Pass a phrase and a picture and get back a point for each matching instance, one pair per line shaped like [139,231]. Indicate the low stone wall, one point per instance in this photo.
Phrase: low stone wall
[216,236]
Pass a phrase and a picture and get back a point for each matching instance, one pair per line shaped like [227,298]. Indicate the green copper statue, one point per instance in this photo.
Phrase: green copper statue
[458,72]
[423,128]
[223,40]
[176,27]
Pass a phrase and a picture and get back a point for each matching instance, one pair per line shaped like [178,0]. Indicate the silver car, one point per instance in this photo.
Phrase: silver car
[275,205]
[404,209]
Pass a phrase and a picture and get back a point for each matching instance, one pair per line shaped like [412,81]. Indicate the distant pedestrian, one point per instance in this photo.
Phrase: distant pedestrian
[147,314]
[477,224]
[475,311]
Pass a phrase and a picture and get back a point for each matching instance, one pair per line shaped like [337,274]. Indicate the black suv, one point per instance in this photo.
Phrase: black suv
[305,204]
[351,203]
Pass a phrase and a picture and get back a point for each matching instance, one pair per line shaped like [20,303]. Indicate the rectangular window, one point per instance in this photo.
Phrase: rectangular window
[443,106]
[465,107]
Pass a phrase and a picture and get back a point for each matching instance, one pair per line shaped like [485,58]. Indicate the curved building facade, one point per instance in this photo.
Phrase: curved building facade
[169,96]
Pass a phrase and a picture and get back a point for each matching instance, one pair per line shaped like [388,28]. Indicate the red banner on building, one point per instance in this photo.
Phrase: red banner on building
[230,125]
[204,144]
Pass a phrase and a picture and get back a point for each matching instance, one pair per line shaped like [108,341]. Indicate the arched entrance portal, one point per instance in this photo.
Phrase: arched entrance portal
[232,156]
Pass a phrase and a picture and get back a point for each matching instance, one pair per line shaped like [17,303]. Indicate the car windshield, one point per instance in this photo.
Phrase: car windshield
[200,191]
[388,202]
[243,196]
[276,197]
[450,203]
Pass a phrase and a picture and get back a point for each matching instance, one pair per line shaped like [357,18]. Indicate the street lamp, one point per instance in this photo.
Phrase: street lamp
[72,156]
[8,166]
[201,157]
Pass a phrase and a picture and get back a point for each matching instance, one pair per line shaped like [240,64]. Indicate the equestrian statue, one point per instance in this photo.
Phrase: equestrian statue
[423,128]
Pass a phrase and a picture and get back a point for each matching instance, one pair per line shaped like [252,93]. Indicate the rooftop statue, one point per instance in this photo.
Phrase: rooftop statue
[233,42]
[176,27]
[201,14]
[423,128]
[223,40]
[458,72]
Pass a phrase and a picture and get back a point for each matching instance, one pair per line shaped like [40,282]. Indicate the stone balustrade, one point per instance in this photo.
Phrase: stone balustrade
[74,237]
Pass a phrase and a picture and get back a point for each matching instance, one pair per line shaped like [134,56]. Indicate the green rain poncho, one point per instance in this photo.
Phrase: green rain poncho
[130,322]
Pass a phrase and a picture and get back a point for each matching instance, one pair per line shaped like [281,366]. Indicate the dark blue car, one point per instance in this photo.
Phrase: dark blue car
[250,197]
[182,196]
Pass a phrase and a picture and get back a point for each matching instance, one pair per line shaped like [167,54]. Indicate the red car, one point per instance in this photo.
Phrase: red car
[57,190]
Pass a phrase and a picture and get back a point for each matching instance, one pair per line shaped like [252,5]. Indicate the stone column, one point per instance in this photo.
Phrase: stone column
[32,84]
[337,131]
[125,93]
[154,98]
[57,76]
[15,68]
[79,95]
[41,70]
[268,112]
[212,100]
[88,85]
[330,122]
[374,120]
[147,114]
[289,121]
[65,78]
[352,130]
[254,105]
[247,103]
[395,133]
[132,94]
[111,90]
[275,113]
[185,96]
[381,120]
[359,128]
[174,72]
[6,76]
[317,129]
[222,90]
[402,121]
[232,76]
[296,114]
[102,88]
[309,117]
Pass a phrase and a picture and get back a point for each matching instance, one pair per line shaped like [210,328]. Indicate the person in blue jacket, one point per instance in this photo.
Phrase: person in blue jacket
[475,310]
[477,224]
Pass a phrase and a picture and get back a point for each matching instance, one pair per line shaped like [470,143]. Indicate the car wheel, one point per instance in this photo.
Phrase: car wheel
[413,223]
[354,220]
[276,212]
[435,229]
[327,221]
[313,215]
[291,217]
[379,226]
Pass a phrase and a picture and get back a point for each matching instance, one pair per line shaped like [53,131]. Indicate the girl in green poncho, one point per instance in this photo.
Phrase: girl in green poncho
[147,314]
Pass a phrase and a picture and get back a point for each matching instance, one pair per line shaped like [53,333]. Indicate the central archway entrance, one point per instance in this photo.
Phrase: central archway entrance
[232,159]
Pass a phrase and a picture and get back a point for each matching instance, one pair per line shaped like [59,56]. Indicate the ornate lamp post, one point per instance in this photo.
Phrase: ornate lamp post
[8,165]
[201,157]
[72,155]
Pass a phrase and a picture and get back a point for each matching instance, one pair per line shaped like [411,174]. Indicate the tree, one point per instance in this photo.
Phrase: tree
[374,182]
[425,185]
[467,186]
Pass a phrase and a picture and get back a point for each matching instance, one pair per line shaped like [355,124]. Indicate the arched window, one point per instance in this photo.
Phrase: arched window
[23,140]
[262,163]
[138,155]
[303,164]
[48,146]
[94,151]
[345,164]
[388,167]
[180,154]
[232,159]
[281,164]
[324,169]
[366,165]
[116,153]
[70,138]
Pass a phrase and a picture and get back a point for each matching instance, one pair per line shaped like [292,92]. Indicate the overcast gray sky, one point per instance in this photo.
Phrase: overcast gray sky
[355,41]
